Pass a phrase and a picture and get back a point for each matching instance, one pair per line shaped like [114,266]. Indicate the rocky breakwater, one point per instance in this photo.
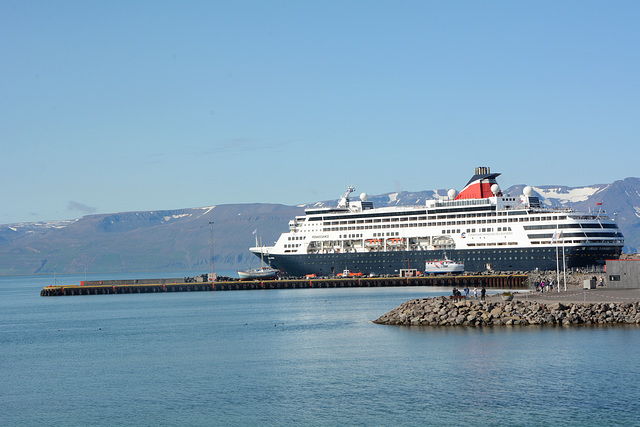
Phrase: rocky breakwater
[442,311]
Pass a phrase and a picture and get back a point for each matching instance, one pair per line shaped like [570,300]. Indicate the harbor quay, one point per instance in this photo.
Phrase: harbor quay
[105,287]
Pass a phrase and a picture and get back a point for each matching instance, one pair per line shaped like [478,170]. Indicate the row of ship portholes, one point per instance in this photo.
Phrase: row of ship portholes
[380,261]
[538,254]
[473,259]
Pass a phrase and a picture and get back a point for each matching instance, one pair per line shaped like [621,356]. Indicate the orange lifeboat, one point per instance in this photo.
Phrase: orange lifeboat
[395,241]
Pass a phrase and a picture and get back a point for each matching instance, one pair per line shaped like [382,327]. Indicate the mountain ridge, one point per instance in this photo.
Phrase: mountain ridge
[180,239]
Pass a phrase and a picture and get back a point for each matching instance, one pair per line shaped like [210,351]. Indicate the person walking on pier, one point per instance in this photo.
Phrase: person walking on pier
[483,293]
[466,292]
[475,292]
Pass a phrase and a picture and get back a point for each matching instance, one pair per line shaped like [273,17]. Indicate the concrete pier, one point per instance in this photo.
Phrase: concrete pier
[174,285]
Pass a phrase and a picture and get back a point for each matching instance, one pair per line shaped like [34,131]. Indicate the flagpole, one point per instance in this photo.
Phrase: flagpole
[564,266]
[557,268]
[211,251]
[554,239]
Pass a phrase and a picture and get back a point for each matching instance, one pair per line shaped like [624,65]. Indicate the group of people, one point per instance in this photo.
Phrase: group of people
[541,285]
[483,293]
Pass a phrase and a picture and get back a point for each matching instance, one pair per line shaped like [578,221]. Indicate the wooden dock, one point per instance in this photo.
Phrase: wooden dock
[141,286]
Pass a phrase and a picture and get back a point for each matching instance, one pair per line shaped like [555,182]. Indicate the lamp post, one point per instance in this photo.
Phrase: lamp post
[211,250]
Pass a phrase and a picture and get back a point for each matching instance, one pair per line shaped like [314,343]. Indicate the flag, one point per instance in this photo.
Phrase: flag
[255,231]
[557,235]
[599,204]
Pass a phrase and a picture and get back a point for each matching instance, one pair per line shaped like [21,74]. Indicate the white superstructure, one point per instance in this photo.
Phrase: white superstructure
[480,227]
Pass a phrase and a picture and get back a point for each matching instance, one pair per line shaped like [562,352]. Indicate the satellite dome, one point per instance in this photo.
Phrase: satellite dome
[452,194]
[527,191]
[495,189]
[363,197]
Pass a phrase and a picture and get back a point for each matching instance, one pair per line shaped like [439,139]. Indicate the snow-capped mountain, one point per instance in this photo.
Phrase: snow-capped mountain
[181,239]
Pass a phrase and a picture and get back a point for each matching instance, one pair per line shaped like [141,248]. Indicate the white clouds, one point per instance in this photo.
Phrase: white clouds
[80,207]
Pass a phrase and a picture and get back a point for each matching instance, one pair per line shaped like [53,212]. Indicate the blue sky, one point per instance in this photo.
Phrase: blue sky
[111,106]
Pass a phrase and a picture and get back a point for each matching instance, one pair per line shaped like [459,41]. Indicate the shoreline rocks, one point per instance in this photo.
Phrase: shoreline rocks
[443,311]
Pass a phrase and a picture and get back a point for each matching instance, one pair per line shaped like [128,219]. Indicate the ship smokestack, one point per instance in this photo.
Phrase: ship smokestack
[483,170]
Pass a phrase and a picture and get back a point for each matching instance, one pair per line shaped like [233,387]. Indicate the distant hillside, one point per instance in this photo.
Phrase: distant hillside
[180,239]
[143,241]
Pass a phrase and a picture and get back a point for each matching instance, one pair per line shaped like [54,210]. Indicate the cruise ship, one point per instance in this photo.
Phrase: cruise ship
[478,227]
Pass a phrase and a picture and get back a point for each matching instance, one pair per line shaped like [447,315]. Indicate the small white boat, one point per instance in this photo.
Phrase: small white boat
[258,273]
[445,266]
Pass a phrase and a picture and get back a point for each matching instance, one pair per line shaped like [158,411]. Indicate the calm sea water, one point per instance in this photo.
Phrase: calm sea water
[296,357]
